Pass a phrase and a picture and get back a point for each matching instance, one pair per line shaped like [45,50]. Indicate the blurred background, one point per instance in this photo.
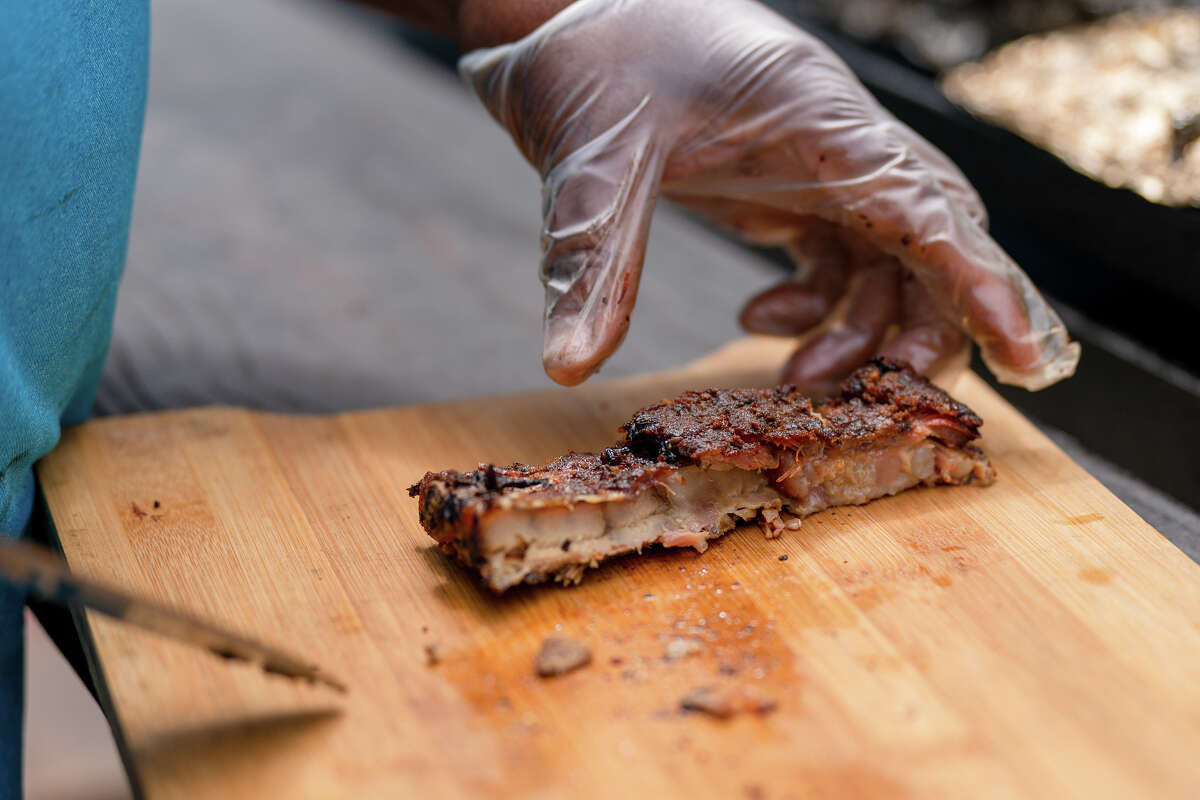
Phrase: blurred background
[324,213]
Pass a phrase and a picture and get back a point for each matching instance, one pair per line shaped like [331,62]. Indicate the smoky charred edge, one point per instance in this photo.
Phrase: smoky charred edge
[745,428]
[887,381]
[716,423]
[442,495]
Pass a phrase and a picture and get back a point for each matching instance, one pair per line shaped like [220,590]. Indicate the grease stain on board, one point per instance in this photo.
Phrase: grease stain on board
[867,599]
[633,683]
[1097,575]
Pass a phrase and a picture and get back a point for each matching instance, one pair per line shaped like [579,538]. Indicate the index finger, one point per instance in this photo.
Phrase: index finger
[972,279]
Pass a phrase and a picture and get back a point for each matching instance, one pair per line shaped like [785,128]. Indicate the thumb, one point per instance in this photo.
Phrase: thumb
[597,205]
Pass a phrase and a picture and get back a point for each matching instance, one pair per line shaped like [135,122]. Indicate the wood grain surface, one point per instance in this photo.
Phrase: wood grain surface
[1031,639]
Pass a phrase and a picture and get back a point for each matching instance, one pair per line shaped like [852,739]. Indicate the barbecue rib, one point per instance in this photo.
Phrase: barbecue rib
[692,469]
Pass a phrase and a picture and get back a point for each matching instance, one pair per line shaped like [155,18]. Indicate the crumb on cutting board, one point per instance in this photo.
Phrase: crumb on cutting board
[559,655]
[680,647]
[725,702]
[710,700]
[433,654]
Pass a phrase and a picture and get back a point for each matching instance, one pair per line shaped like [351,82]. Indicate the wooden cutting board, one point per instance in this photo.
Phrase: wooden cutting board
[1033,639]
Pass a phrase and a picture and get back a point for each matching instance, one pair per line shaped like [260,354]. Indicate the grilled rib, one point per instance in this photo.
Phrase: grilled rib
[691,469]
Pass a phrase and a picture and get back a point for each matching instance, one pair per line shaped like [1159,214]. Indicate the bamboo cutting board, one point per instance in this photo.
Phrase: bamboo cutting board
[1032,639]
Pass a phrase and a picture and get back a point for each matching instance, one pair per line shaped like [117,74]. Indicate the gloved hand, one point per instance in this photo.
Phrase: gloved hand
[736,114]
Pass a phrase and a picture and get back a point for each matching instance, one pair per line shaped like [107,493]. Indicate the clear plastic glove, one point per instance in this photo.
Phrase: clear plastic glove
[734,113]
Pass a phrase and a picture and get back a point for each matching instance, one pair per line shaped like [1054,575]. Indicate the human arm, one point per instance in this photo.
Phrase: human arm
[474,24]
[72,94]
[73,90]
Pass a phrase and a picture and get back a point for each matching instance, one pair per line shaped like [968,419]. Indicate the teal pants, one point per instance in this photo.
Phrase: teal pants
[72,99]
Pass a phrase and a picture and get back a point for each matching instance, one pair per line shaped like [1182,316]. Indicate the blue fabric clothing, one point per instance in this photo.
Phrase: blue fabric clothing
[72,99]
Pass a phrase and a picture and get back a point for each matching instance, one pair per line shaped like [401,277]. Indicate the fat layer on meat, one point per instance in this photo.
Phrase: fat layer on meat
[692,469]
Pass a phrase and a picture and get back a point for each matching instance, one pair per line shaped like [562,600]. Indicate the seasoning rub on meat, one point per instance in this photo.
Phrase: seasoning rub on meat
[691,469]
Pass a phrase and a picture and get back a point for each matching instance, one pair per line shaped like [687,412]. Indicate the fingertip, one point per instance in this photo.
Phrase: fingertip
[565,373]
[575,347]
[799,373]
[788,309]
[1021,338]
[818,366]
[1053,365]
[928,347]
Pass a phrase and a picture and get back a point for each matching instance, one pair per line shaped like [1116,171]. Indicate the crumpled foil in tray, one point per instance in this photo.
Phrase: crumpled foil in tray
[1118,100]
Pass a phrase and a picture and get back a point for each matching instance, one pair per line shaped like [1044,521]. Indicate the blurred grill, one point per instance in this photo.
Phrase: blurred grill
[937,34]
[1119,100]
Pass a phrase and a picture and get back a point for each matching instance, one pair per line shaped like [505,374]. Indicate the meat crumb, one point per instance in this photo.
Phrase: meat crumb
[709,700]
[679,648]
[724,703]
[754,701]
[559,655]
[433,655]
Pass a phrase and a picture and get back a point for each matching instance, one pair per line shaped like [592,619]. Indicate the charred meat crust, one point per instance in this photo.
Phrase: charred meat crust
[747,427]
[882,397]
[452,502]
